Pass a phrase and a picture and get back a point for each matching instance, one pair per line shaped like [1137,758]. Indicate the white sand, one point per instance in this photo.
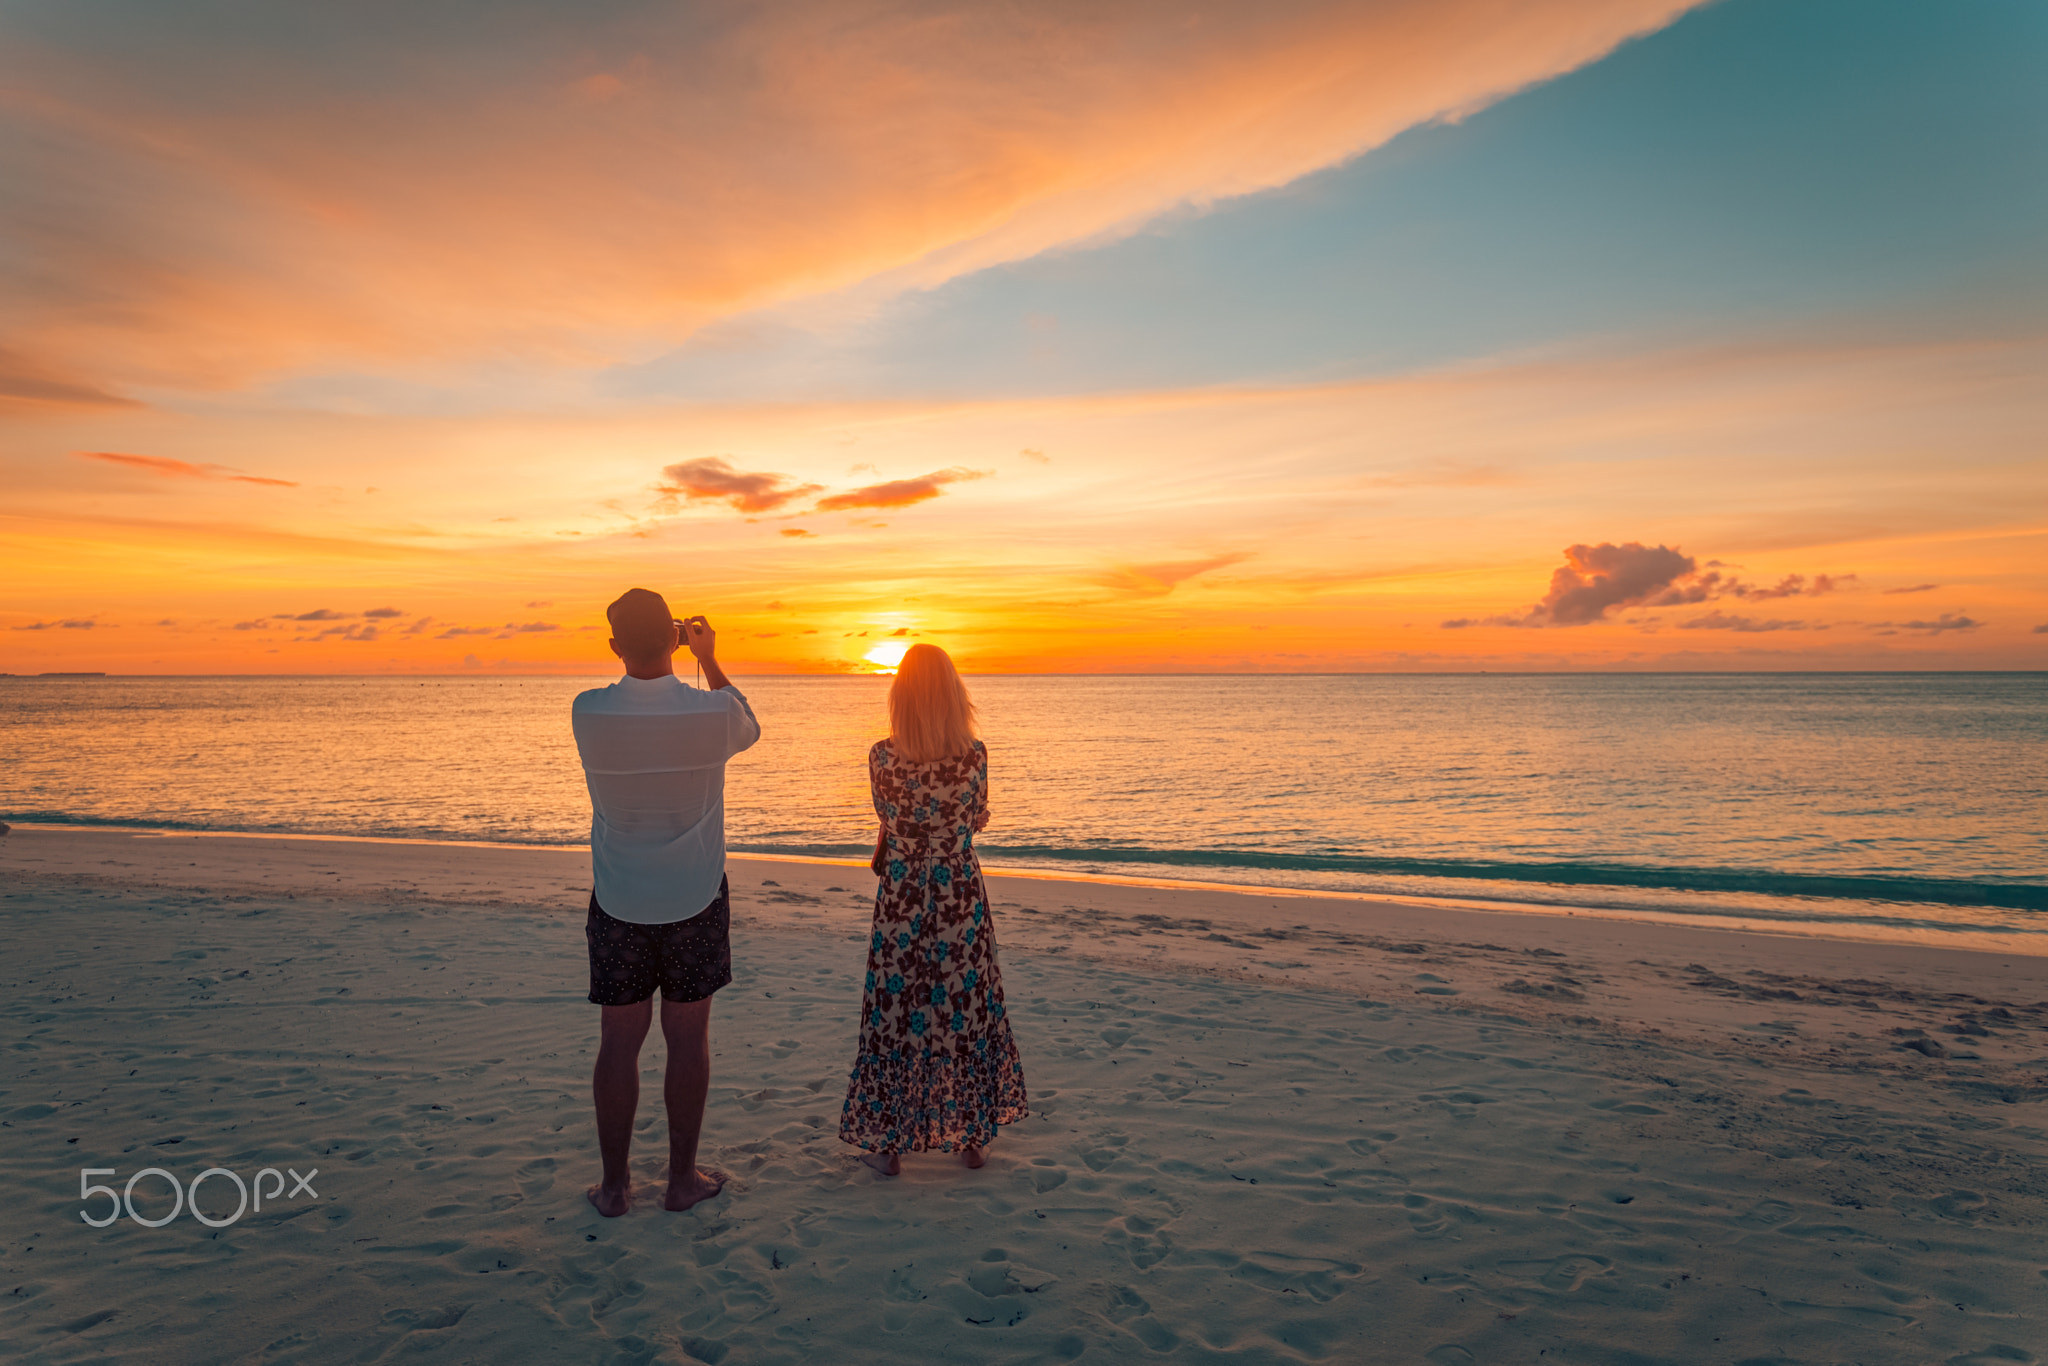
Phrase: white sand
[1264,1129]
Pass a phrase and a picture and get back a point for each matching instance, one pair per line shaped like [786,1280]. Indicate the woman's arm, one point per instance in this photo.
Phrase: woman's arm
[876,765]
[981,793]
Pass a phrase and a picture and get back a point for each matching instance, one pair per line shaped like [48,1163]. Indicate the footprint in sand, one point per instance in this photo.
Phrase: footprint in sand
[1768,1214]
[1283,1273]
[1965,1207]
[1129,1311]
[536,1177]
[1558,1273]
[1144,1241]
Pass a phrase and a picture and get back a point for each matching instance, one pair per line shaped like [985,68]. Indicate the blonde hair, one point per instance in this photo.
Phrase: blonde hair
[930,714]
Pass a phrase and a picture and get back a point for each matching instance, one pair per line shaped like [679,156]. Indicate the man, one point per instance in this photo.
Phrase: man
[654,751]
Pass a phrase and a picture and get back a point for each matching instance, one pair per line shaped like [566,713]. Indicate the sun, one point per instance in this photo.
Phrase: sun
[886,656]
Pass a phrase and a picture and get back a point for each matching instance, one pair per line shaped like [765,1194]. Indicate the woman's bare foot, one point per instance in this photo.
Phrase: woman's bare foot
[699,1187]
[611,1201]
[888,1164]
[972,1156]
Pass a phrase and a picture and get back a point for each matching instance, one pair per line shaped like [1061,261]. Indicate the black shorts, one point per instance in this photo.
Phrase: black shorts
[687,959]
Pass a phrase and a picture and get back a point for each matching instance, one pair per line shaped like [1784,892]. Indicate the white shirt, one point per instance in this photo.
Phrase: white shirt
[654,752]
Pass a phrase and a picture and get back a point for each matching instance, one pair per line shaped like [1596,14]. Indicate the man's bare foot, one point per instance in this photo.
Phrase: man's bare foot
[888,1164]
[700,1186]
[971,1155]
[611,1201]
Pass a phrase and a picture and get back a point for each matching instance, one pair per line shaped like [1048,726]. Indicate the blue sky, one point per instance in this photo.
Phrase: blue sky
[1802,168]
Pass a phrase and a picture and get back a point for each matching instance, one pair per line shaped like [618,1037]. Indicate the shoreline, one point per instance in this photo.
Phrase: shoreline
[2026,943]
[1633,975]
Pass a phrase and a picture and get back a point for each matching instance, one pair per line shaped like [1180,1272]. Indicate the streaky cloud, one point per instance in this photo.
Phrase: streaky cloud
[899,493]
[1722,621]
[1947,621]
[182,469]
[715,480]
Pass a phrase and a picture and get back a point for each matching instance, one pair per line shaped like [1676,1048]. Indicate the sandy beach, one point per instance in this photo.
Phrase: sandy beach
[1264,1128]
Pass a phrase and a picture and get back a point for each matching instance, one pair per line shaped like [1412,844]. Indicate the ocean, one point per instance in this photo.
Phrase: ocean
[1910,801]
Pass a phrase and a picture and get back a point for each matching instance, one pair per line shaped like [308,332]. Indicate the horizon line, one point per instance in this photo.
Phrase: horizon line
[81,674]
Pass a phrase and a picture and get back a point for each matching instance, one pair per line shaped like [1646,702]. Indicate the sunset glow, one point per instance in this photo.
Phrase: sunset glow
[886,656]
[1392,336]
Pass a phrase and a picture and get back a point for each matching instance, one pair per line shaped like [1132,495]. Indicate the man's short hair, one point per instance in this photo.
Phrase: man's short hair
[641,624]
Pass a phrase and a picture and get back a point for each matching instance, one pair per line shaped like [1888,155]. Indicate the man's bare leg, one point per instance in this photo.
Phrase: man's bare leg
[888,1164]
[972,1155]
[687,1027]
[615,1087]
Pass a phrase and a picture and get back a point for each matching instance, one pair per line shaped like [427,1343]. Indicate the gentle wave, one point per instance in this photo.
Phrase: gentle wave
[353,831]
[2017,896]
[1927,891]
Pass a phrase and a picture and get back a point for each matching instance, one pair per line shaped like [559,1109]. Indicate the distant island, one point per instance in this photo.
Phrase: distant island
[75,673]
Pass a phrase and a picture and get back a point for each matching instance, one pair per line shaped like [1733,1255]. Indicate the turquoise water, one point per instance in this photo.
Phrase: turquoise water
[1904,799]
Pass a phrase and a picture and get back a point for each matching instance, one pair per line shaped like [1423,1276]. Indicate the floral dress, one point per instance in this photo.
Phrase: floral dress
[937,1068]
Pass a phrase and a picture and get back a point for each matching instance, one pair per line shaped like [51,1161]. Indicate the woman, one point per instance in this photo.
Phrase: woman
[937,1068]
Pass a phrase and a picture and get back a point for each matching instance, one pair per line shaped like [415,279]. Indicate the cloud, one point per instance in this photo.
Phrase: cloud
[22,383]
[259,624]
[181,469]
[531,627]
[68,624]
[549,180]
[471,662]
[712,479]
[1461,623]
[318,614]
[899,493]
[1947,621]
[1791,586]
[1036,457]
[2041,630]
[1596,579]
[379,613]
[422,624]
[1161,578]
[453,631]
[549,603]
[1721,621]
[796,531]
[1916,588]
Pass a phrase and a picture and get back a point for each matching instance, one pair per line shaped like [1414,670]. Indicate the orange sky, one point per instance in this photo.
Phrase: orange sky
[349,375]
